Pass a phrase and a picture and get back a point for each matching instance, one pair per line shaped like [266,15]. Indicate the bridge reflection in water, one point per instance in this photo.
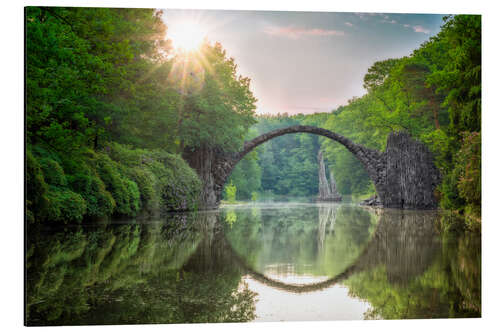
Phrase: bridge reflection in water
[262,262]
[399,254]
[403,241]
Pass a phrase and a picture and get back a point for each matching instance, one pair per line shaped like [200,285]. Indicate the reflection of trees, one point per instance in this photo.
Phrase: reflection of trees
[185,269]
[304,239]
[326,220]
[353,232]
[408,273]
[404,271]
[217,293]
[116,274]
[465,263]
[405,242]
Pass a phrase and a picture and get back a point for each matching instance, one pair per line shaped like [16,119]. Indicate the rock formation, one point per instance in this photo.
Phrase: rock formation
[333,186]
[327,191]
[323,187]
[372,201]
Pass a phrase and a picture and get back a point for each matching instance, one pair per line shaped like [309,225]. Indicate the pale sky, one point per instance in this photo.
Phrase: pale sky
[306,62]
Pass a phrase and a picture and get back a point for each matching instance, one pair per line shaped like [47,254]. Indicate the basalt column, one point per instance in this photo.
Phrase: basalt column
[333,185]
[323,186]
[408,174]
[327,191]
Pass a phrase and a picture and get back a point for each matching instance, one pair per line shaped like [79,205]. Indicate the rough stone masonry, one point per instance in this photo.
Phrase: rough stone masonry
[404,174]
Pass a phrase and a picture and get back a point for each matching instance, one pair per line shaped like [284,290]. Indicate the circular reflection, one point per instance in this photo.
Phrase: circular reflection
[298,245]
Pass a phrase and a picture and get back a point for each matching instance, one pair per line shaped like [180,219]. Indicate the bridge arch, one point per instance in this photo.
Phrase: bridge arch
[404,174]
[368,157]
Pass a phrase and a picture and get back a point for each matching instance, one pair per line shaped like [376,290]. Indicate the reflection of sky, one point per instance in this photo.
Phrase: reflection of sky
[286,273]
[332,303]
[303,62]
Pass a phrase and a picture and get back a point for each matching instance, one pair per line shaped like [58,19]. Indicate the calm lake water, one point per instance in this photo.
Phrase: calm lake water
[262,262]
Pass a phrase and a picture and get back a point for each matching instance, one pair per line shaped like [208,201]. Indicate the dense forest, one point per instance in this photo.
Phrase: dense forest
[111,108]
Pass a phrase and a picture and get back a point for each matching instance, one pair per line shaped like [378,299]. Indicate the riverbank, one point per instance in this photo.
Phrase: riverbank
[115,181]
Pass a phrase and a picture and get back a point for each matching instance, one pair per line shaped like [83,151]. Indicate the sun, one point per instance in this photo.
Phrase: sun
[186,35]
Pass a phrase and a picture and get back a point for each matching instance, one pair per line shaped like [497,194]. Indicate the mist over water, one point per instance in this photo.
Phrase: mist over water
[258,262]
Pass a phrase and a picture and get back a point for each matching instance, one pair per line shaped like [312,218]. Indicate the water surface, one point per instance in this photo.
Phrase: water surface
[262,262]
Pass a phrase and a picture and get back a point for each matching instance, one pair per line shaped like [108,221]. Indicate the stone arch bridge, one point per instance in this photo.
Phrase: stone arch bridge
[404,174]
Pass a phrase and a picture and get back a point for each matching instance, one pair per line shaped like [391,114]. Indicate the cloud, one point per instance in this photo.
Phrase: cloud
[349,24]
[364,16]
[406,25]
[296,33]
[419,28]
[389,21]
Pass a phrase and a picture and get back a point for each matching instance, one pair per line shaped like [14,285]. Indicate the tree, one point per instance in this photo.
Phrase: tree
[461,76]
[219,112]
[89,71]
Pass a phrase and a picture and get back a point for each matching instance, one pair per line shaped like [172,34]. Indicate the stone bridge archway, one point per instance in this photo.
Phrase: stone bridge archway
[404,174]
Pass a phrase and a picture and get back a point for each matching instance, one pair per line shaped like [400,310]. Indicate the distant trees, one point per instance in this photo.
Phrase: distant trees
[283,166]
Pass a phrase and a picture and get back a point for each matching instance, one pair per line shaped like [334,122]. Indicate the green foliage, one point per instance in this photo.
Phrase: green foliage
[246,176]
[107,111]
[123,190]
[361,122]
[100,202]
[89,71]
[217,105]
[36,189]
[284,166]
[146,182]
[460,77]
[450,198]
[469,168]
[149,179]
[181,187]
[119,182]
[469,158]
[164,180]
[54,173]
[230,190]
[65,206]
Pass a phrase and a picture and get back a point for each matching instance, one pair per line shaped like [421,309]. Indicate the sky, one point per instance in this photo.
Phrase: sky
[307,62]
